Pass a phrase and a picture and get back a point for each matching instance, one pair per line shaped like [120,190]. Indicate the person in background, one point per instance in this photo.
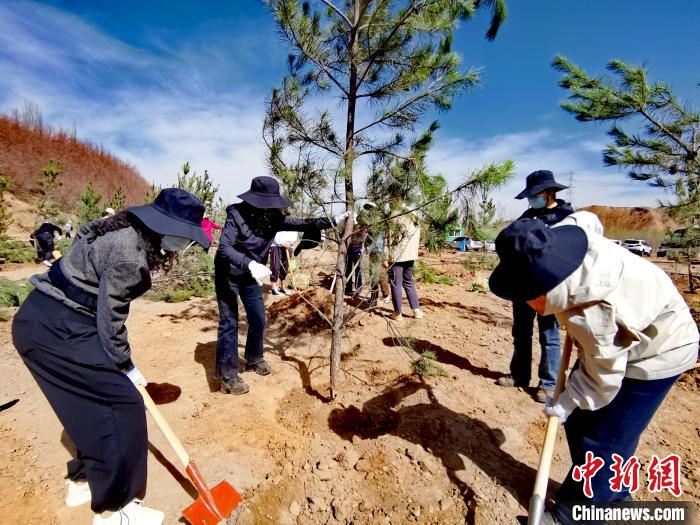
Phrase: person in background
[67,229]
[279,261]
[43,239]
[71,334]
[375,250]
[353,261]
[109,212]
[540,191]
[208,225]
[240,269]
[402,255]
[634,333]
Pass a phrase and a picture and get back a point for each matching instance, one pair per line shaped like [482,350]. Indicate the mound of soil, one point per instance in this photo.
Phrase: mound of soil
[303,311]
[654,219]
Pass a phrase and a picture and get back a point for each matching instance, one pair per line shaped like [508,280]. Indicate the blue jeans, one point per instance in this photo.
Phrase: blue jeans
[228,290]
[520,364]
[613,429]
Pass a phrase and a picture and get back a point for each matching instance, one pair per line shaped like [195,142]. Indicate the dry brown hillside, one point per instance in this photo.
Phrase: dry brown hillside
[26,147]
[639,219]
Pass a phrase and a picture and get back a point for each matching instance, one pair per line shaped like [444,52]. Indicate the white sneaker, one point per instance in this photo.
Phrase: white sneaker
[133,513]
[78,493]
[47,263]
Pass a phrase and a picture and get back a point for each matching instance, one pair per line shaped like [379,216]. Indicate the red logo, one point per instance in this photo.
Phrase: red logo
[625,474]
[586,472]
[665,474]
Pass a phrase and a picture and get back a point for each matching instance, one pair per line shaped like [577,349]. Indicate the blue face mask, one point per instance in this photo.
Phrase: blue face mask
[537,201]
[171,243]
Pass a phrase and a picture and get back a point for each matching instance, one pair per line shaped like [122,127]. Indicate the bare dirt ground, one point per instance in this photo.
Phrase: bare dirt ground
[393,448]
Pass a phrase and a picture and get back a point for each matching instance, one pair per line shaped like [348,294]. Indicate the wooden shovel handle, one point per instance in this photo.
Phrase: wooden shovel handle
[182,454]
[539,492]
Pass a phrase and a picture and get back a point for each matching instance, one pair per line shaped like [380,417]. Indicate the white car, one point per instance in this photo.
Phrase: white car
[638,246]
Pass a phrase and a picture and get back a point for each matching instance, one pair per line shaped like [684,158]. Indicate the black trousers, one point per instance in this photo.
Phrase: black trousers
[97,404]
[44,242]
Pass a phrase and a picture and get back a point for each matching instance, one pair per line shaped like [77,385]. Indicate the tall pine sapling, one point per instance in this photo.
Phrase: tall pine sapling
[386,63]
[48,182]
[116,202]
[201,186]
[89,208]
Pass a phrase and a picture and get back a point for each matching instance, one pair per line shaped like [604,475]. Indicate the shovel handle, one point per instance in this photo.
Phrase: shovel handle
[182,454]
[539,492]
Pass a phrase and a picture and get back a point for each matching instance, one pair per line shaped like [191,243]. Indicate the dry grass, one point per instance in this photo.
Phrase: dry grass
[26,147]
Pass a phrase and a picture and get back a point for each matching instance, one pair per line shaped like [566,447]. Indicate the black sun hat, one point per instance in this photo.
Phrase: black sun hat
[535,258]
[538,181]
[174,212]
[264,193]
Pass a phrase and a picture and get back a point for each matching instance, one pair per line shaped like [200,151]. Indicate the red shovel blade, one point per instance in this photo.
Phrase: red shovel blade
[225,499]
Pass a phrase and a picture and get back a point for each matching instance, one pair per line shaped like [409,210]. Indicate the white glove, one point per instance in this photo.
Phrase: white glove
[136,377]
[340,219]
[557,411]
[260,272]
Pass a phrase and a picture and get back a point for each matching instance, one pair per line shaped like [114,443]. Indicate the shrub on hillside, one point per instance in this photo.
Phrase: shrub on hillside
[192,276]
[17,251]
[429,275]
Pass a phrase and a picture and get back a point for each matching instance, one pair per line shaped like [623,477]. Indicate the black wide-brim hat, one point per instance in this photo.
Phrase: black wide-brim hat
[264,193]
[535,258]
[538,181]
[174,212]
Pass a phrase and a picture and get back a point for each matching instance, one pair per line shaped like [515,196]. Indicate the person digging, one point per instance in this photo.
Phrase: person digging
[44,239]
[540,191]
[71,334]
[240,269]
[635,336]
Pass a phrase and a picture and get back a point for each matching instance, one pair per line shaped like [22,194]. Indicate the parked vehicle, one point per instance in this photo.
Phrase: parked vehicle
[490,246]
[458,243]
[638,246]
[662,251]
[466,244]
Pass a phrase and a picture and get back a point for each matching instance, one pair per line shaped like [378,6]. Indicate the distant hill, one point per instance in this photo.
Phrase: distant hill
[27,145]
[650,224]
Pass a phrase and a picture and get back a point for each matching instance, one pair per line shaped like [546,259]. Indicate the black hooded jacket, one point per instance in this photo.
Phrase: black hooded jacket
[549,215]
[249,232]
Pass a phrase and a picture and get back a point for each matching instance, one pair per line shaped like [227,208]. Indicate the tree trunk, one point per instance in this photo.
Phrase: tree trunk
[348,159]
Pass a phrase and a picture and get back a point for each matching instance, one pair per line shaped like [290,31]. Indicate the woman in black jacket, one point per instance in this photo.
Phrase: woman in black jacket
[70,333]
[240,267]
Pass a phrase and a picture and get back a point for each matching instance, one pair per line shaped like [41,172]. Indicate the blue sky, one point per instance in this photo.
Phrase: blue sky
[162,82]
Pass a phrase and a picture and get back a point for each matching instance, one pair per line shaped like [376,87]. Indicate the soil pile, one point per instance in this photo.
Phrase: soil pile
[641,219]
[302,311]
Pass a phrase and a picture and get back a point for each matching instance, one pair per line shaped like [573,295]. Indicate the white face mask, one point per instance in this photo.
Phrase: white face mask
[171,243]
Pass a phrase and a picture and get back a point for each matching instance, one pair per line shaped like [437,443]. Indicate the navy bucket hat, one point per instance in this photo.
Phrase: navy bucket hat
[538,181]
[264,193]
[535,258]
[174,212]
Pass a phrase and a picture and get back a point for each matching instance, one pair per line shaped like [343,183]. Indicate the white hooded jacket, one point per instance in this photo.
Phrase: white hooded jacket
[628,320]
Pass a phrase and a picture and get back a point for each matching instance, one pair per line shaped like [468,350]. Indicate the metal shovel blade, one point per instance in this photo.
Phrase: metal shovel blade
[225,499]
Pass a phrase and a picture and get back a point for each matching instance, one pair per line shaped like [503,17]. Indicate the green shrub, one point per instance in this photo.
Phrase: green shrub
[13,293]
[427,274]
[17,251]
[481,261]
[480,286]
[192,276]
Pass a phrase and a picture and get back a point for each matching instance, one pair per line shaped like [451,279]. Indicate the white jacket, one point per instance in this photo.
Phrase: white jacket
[627,319]
[406,249]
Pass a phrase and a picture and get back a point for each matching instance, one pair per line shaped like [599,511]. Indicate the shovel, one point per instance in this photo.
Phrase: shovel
[540,491]
[212,507]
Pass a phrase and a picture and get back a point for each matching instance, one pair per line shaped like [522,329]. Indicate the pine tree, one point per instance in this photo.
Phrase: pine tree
[116,202]
[387,63]
[201,186]
[5,221]
[151,193]
[89,208]
[48,182]
[663,150]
